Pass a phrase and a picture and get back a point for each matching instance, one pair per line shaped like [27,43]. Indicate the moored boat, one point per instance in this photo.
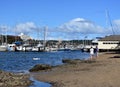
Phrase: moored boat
[3,48]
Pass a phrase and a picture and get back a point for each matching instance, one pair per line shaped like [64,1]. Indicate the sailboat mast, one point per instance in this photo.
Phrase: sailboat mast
[45,34]
[6,35]
[108,17]
[2,39]
[38,35]
[4,29]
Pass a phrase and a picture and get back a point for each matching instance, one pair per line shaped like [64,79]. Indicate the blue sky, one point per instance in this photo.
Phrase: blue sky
[60,16]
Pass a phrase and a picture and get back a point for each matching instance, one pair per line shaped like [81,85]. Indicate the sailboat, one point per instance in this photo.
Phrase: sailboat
[3,46]
[40,47]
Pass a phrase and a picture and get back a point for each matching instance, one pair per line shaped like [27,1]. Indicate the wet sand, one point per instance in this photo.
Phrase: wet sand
[103,72]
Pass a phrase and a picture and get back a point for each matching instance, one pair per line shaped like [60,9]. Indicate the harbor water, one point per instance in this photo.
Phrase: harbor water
[23,61]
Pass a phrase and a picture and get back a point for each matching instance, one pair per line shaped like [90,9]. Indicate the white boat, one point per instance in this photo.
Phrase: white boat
[27,48]
[53,49]
[19,48]
[3,47]
[35,49]
[39,47]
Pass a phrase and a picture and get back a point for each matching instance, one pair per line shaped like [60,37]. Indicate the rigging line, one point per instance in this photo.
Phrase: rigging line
[108,16]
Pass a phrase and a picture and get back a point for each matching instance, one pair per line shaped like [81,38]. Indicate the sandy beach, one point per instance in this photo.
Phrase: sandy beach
[103,72]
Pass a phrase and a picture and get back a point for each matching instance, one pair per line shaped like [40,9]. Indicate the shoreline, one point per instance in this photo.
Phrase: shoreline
[15,79]
[9,79]
[103,72]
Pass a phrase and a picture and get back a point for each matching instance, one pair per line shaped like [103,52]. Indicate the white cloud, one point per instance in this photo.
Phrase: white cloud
[117,22]
[3,29]
[76,28]
[80,25]
[113,27]
[25,28]
[116,26]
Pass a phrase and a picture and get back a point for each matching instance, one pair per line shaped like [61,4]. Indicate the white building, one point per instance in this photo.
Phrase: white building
[24,37]
[111,42]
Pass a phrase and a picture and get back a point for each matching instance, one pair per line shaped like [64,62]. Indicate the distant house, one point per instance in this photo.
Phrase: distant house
[111,42]
[24,37]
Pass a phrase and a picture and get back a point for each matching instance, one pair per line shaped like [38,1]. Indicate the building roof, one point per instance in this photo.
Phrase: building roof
[111,38]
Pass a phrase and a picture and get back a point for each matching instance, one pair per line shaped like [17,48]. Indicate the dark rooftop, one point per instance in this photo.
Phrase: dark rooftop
[111,38]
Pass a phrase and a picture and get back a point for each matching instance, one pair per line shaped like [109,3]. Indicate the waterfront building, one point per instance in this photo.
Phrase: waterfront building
[24,37]
[111,42]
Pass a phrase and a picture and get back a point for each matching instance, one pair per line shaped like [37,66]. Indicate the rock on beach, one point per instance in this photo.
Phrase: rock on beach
[40,67]
[8,79]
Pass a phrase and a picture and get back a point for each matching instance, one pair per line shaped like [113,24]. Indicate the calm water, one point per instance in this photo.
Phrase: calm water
[23,61]
[39,84]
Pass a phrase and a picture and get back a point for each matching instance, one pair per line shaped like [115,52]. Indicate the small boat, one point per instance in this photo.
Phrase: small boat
[11,47]
[3,47]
